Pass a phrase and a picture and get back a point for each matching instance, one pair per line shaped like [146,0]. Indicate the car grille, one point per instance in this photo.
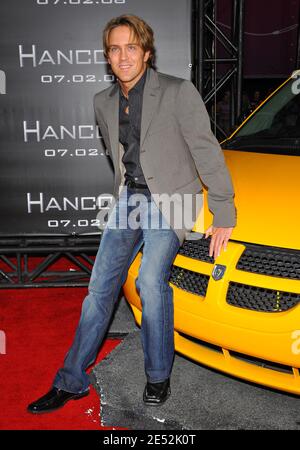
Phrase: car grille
[260,299]
[270,261]
[197,249]
[273,261]
[190,281]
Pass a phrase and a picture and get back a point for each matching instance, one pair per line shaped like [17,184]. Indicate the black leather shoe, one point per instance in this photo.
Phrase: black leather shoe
[157,393]
[54,399]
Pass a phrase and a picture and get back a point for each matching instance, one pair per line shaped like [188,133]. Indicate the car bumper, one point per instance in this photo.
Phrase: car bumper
[260,347]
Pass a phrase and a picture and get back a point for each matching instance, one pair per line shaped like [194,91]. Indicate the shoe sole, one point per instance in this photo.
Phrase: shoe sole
[78,397]
[149,403]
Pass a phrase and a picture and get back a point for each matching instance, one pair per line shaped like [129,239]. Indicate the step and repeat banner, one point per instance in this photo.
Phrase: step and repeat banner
[53,166]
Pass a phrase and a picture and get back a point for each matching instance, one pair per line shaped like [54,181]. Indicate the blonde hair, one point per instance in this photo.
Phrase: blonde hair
[140,29]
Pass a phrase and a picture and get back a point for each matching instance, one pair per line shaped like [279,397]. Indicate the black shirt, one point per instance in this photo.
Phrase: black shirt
[130,130]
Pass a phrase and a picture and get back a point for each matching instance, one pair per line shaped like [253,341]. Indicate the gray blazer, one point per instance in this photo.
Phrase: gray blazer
[177,147]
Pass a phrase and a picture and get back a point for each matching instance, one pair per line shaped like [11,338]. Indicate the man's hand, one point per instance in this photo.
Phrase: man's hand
[220,237]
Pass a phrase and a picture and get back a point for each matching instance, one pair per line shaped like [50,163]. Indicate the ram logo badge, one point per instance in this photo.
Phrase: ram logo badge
[218,272]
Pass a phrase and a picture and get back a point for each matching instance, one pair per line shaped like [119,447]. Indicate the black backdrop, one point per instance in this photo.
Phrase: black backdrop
[52,164]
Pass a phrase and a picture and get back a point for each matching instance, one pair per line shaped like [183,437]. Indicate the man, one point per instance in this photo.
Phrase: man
[157,133]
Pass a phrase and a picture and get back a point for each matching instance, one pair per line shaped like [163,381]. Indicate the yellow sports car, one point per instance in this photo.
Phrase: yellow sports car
[240,313]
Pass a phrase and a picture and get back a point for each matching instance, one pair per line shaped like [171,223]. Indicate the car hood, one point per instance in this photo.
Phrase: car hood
[267,198]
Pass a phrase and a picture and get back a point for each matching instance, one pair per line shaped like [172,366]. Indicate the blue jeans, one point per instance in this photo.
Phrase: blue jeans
[118,247]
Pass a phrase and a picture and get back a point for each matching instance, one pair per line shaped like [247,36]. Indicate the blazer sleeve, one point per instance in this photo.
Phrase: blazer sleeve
[207,154]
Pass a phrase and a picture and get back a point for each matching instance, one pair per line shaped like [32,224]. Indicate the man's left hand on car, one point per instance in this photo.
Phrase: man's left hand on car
[219,238]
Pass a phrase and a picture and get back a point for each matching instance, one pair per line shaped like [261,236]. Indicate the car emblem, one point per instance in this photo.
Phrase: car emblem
[218,272]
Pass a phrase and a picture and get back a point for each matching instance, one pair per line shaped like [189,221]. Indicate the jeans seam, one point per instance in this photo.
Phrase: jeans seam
[164,312]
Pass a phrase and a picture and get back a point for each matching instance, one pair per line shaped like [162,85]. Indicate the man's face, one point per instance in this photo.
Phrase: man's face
[125,55]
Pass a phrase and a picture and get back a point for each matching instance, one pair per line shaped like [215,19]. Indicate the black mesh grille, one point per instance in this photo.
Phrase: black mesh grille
[197,249]
[260,299]
[274,261]
[270,261]
[193,282]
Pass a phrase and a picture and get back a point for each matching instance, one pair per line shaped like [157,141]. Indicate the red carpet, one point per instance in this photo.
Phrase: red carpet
[39,325]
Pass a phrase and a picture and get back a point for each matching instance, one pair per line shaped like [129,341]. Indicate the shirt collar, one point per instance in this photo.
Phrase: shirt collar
[139,86]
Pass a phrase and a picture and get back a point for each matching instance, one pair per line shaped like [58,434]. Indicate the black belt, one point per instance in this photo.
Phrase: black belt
[134,185]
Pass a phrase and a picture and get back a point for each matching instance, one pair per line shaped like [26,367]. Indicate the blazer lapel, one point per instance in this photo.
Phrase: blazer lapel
[151,98]
[112,117]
